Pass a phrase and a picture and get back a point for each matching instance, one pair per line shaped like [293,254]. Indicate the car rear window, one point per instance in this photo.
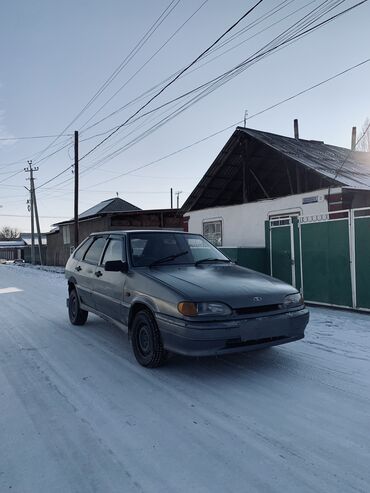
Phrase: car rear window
[114,251]
[81,250]
[93,254]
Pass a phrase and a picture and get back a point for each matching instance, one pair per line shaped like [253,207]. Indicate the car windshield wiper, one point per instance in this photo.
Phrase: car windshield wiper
[168,258]
[212,260]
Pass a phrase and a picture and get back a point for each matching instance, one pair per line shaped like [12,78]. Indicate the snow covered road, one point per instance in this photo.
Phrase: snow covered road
[78,414]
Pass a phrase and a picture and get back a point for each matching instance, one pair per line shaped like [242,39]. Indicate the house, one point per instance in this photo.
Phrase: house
[11,249]
[259,176]
[294,208]
[108,215]
[20,248]
[26,255]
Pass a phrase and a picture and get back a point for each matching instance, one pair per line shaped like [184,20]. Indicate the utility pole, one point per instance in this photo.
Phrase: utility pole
[76,172]
[178,198]
[30,170]
[39,239]
[171,198]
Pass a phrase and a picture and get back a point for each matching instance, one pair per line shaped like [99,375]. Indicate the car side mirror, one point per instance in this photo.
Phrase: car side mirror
[116,266]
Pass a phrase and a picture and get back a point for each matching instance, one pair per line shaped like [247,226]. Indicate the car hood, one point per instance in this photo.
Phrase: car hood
[237,286]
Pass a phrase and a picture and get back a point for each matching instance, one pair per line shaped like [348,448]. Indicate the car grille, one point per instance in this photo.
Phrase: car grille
[256,309]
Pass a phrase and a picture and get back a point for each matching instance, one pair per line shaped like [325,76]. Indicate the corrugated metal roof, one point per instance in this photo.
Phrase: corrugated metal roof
[27,238]
[108,206]
[351,168]
[329,165]
[12,244]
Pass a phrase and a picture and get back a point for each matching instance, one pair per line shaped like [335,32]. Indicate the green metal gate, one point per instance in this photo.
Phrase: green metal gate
[326,256]
[361,220]
[326,263]
[282,250]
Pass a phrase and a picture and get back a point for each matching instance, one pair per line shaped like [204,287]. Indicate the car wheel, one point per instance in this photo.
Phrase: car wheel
[146,341]
[77,316]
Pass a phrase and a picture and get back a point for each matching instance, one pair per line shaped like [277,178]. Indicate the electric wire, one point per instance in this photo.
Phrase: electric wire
[233,125]
[225,76]
[144,64]
[123,64]
[172,81]
[273,47]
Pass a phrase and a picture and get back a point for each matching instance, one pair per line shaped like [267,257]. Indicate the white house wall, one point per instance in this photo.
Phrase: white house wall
[243,225]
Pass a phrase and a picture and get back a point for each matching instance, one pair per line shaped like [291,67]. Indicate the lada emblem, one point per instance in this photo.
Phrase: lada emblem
[257,298]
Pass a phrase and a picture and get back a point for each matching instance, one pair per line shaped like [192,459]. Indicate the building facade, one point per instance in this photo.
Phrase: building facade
[110,215]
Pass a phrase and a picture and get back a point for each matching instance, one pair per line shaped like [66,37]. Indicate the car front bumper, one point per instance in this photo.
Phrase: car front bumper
[237,335]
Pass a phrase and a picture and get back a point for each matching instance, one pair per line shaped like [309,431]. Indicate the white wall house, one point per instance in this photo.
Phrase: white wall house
[243,225]
[259,176]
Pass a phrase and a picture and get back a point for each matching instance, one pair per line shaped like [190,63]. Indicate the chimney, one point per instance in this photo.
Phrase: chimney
[353,141]
[296,131]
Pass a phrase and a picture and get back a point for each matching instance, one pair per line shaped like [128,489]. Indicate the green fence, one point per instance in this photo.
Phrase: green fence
[362,260]
[326,256]
[253,258]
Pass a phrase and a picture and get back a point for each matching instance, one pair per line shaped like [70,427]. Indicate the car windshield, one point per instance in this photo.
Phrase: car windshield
[153,248]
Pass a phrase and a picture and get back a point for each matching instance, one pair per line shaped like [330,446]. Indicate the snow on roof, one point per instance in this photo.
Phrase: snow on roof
[26,237]
[12,244]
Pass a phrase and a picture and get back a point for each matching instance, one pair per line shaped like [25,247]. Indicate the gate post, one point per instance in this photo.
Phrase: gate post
[292,252]
[352,255]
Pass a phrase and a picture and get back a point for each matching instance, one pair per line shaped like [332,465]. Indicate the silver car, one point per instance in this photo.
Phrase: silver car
[175,292]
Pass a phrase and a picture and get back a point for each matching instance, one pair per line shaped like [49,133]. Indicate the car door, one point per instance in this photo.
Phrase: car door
[109,286]
[85,270]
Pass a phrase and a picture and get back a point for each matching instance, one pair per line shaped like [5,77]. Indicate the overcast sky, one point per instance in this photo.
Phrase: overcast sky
[55,55]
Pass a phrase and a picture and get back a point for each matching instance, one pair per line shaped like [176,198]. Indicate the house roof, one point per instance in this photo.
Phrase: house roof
[350,168]
[264,153]
[27,238]
[12,244]
[109,206]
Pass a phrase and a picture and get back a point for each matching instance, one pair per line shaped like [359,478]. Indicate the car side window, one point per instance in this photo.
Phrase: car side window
[81,250]
[93,254]
[114,251]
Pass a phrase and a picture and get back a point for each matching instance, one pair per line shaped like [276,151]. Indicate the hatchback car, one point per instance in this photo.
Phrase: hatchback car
[176,292]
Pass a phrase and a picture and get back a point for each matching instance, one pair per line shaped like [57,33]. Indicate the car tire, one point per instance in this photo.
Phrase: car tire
[146,341]
[77,316]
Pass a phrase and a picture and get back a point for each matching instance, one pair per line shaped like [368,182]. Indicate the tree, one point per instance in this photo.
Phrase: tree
[9,233]
[364,144]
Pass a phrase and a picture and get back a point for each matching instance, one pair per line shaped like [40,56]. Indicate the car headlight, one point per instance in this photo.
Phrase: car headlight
[293,300]
[191,309]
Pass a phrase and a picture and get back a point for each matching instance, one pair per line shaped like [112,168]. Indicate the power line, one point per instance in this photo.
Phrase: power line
[241,31]
[172,81]
[127,59]
[145,63]
[275,105]
[224,77]
[160,91]
[350,152]
[25,158]
[42,217]
[35,137]
[255,22]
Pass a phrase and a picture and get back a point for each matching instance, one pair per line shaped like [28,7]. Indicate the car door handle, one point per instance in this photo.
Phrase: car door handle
[98,273]
[78,268]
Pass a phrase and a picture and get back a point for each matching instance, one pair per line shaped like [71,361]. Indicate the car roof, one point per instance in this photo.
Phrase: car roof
[125,231]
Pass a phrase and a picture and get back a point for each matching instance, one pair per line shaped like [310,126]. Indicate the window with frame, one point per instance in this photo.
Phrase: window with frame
[66,235]
[114,251]
[81,250]
[93,254]
[212,231]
